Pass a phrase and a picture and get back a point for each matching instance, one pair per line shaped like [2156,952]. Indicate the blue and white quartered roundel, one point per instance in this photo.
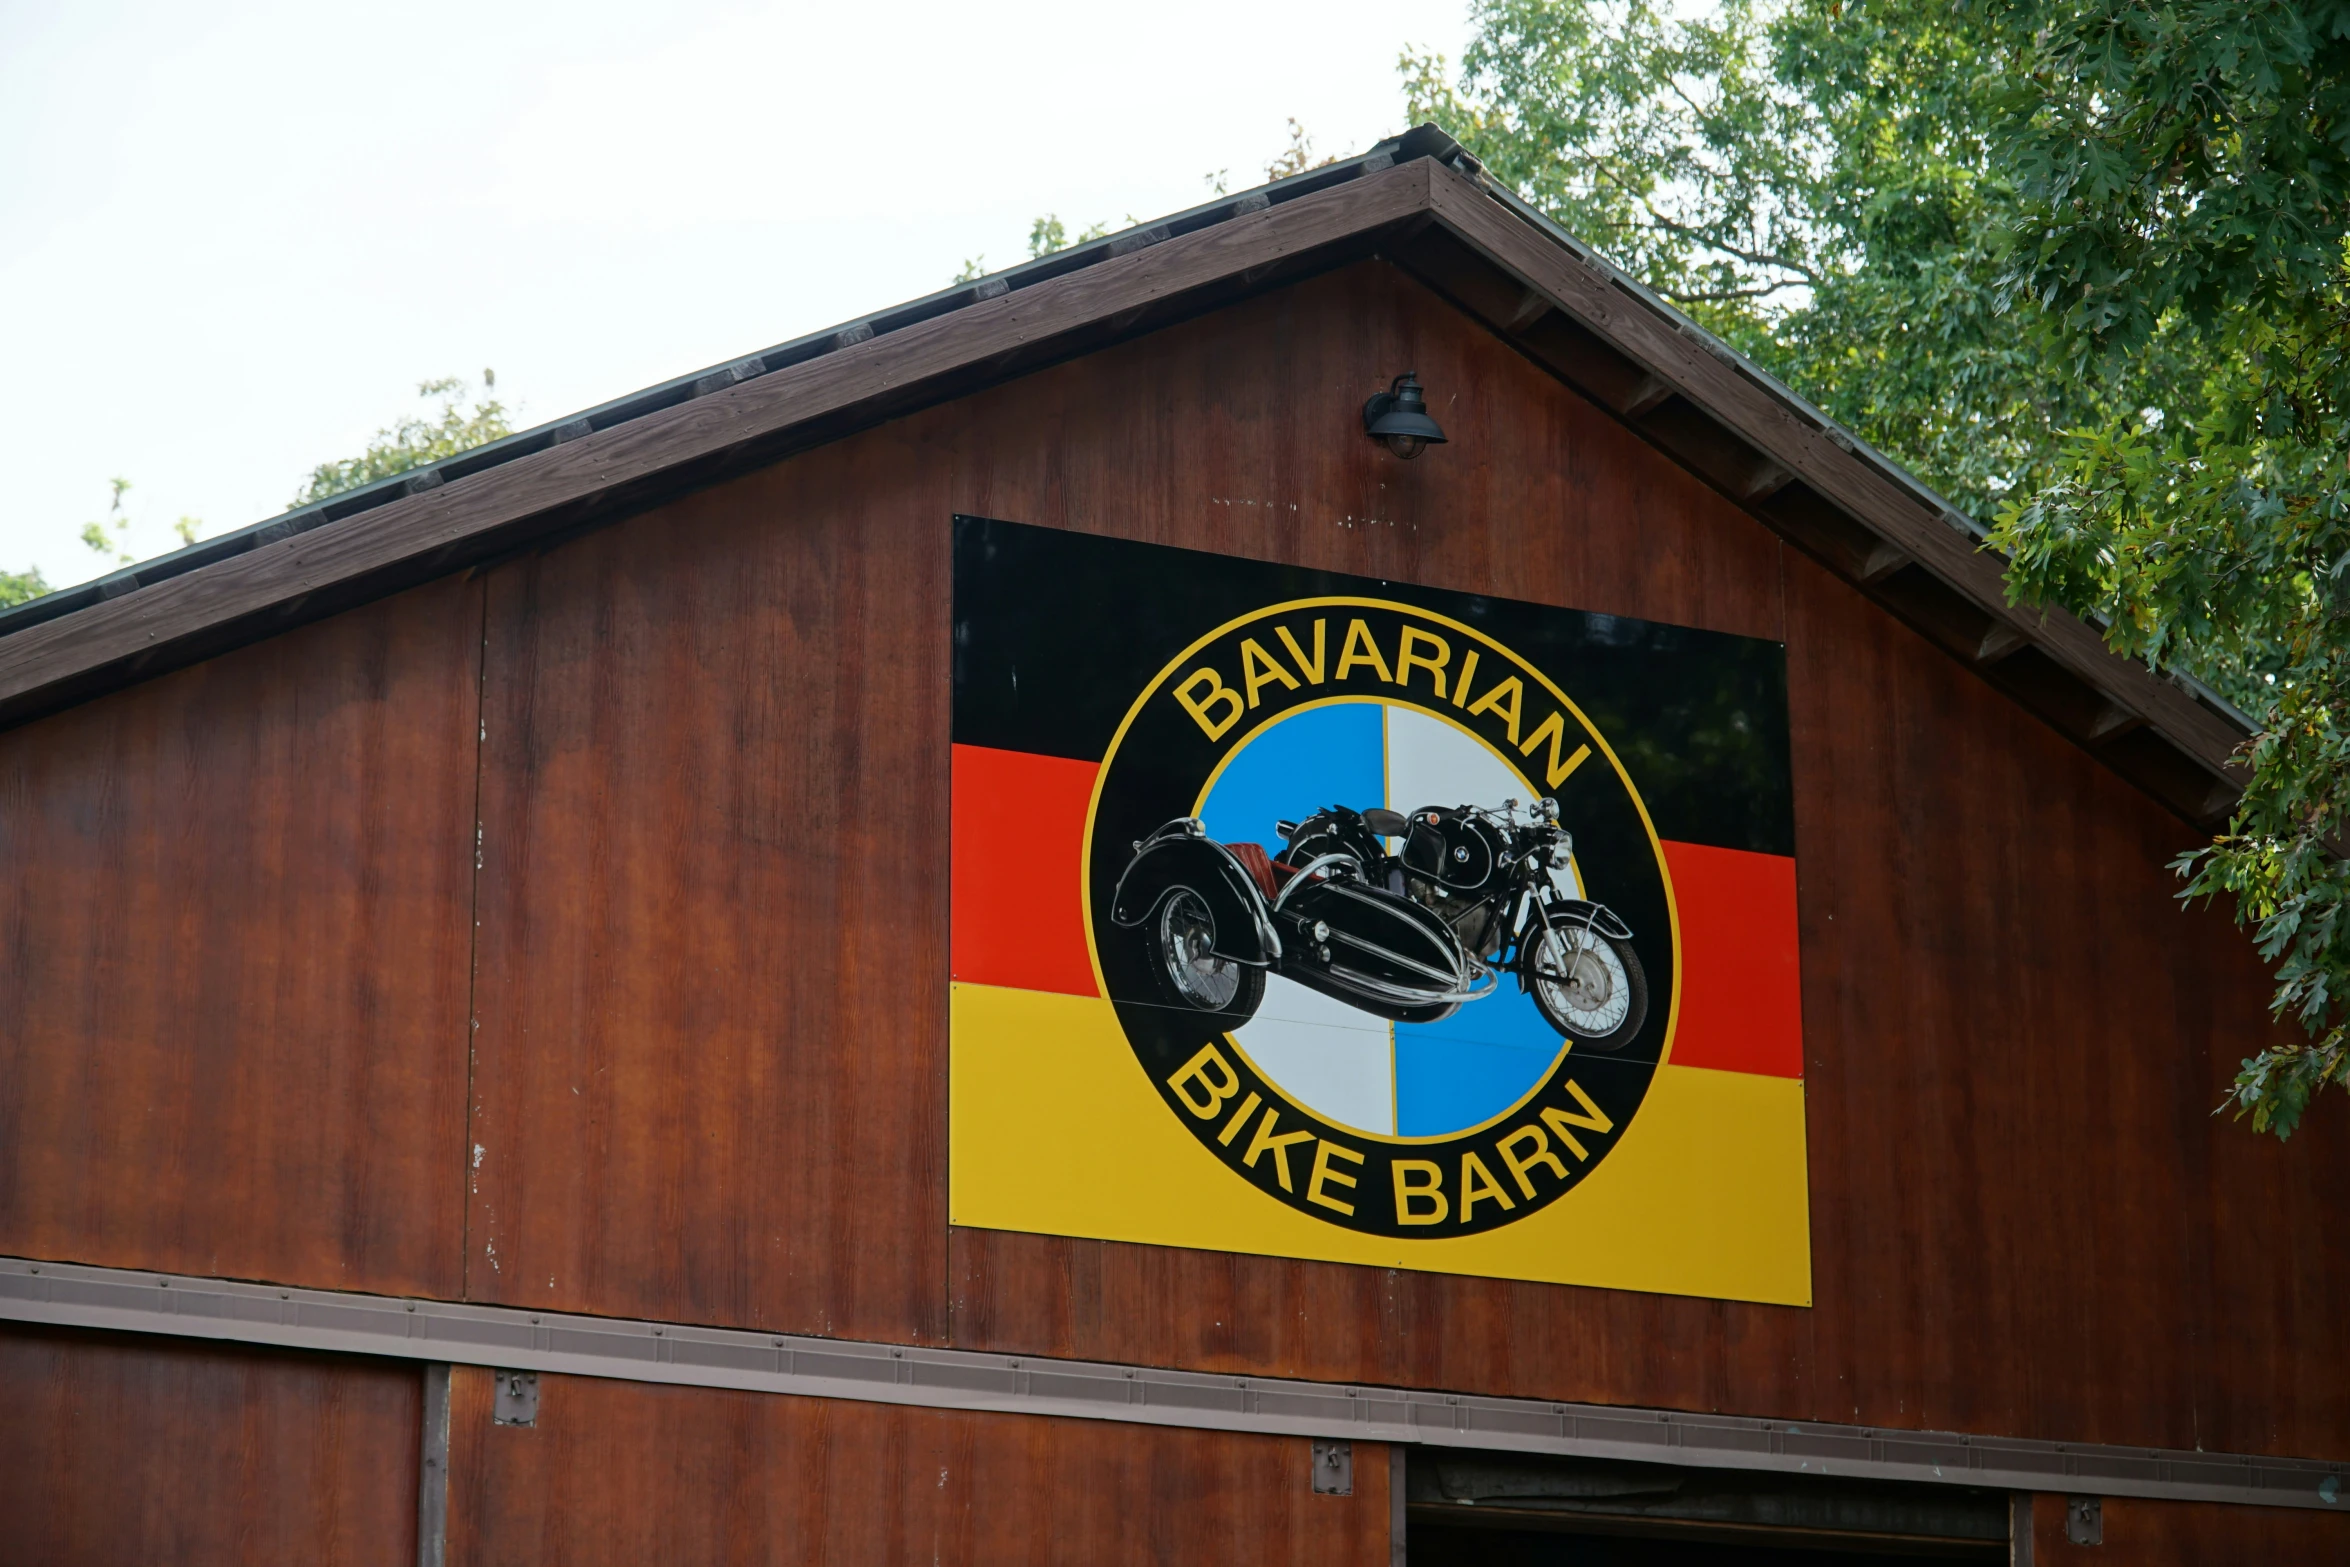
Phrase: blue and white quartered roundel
[1388,1079]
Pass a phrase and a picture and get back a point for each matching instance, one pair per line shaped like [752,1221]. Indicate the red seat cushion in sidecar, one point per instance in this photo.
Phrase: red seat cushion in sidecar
[1268,873]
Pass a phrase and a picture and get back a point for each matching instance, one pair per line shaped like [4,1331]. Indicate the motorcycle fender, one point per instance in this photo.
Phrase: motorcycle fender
[1244,927]
[1576,912]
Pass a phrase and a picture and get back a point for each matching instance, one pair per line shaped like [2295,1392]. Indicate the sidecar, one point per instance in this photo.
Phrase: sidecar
[1216,918]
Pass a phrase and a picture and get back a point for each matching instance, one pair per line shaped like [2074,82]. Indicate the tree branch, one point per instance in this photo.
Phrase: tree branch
[1755,258]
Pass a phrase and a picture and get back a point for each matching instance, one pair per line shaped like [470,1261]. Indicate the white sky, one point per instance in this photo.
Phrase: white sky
[234,236]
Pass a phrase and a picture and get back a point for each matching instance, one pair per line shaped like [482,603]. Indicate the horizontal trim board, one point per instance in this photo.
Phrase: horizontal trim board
[71,1295]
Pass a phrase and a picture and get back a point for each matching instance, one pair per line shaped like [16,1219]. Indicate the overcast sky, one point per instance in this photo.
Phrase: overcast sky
[233,237]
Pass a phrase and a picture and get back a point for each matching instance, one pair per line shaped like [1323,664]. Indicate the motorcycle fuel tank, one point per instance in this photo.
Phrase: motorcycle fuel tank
[1454,849]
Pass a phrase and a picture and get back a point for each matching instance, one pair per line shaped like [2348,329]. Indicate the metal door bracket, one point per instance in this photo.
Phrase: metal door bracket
[518,1399]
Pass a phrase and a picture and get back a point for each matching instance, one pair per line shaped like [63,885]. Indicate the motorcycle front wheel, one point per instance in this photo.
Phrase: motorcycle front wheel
[1190,974]
[1588,986]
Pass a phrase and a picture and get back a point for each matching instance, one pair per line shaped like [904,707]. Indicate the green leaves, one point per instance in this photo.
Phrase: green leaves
[2083,267]
[17,587]
[2183,189]
[2190,158]
[113,536]
[1811,182]
[416,443]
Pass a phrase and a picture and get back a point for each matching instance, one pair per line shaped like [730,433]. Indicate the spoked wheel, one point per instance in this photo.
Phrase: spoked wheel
[1183,941]
[1588,986]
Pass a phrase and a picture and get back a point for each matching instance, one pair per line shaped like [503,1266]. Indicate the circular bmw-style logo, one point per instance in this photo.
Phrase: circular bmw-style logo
[1382,916]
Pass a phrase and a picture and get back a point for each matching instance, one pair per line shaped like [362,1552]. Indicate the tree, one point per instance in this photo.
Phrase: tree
[1296,158]
[1048,234]
[1812,182]
[18,587]
[112,534]
[413,442]
[2080,266]
[2182,182]
[407,443]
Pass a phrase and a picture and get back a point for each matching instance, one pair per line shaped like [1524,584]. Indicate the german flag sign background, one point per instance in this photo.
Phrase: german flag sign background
[1322,917]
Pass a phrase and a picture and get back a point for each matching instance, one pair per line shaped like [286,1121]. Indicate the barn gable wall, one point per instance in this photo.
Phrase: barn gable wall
[690,1065]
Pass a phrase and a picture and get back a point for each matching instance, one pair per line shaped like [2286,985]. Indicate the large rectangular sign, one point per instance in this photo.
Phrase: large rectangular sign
[1321,917]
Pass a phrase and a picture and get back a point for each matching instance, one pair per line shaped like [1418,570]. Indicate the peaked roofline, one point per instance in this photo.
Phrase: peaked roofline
[1418,200]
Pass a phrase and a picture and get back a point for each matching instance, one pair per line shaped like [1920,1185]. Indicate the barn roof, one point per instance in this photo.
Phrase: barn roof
[1418,200]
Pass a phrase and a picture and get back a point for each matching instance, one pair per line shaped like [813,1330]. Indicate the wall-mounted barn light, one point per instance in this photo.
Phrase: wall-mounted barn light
[1398,418]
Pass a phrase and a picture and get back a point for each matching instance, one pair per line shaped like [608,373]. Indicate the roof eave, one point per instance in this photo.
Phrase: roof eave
[1419,200]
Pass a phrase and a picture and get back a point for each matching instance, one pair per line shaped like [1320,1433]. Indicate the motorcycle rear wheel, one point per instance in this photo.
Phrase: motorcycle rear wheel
[1588,985]
[1190,974]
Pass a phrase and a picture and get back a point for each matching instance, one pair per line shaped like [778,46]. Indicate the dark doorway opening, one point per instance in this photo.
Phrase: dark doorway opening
[1505,1510]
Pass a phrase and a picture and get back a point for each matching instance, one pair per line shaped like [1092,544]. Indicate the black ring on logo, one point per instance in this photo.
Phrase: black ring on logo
[1215,696]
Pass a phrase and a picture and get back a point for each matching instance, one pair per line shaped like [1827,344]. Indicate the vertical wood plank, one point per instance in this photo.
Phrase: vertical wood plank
[134,1448]
[619,1472]
[2016,1035]
[233,959]
[710,1074]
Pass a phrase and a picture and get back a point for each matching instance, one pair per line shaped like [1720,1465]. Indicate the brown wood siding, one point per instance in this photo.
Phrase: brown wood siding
[709,1075]
[137,1449]
[712,1051]
[2016,1038]
[620,1472]
[233,952]
[711,1078]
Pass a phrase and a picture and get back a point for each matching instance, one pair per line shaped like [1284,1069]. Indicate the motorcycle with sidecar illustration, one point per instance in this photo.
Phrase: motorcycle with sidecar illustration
[1411,936]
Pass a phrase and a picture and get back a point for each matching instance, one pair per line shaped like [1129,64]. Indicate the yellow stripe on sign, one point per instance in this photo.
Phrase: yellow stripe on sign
[1053,1128]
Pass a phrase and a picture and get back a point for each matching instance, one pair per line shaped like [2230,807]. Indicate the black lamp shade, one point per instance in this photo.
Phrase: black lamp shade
[1398,417]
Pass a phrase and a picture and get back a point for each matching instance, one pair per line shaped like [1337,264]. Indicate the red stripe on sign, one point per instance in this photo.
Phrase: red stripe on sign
[1016,857]
[1741,991]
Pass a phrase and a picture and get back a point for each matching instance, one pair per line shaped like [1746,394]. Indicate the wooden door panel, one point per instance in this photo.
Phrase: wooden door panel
[131,1448]
[626,1472]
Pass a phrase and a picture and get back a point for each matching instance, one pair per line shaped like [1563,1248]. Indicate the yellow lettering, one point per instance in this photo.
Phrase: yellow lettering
[1554,728]
[1556,1120]
[1562,1122]
[1259,669]
[1502,699]
[1460,693]
[1508,1149]
[1359,635]
[1279,1145]
[1311,667]
[1478,1184]
[1406,660]
[1324,1175]
[1240,1118]
[1196,1071]
[1409,1190]
[1200,706]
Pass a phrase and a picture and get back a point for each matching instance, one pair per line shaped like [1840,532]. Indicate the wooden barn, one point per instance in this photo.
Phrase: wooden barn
[1309,884]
